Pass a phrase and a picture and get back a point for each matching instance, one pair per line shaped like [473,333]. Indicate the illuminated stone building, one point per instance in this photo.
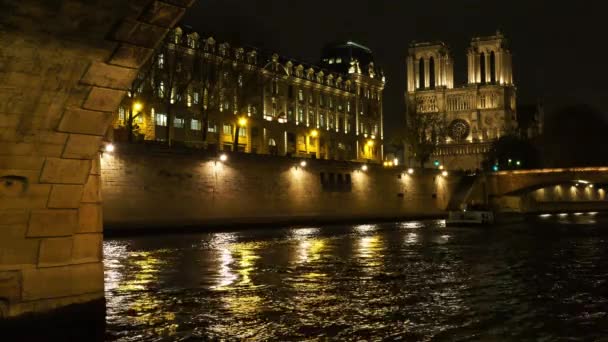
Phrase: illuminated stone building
[202,93]
[474,114]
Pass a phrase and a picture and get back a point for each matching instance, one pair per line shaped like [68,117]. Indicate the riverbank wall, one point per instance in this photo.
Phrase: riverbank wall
[150,187]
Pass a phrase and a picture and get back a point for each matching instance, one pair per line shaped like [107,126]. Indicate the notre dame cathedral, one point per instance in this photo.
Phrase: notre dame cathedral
[475,114]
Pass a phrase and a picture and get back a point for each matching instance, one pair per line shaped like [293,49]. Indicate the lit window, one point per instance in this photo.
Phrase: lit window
[338,60]
[300,115]
[227,129]
[242,131]
[161,89]
[212,127]
[121,113]
[196,97]
[161,61]
[331,61]
[195,125]
[178,123]
[300,95]
[322,120]
[161,119]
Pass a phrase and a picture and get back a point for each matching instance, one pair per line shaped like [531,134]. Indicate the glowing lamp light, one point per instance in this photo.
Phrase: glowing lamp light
[495,168]
[591,185]
[303,163]
[410,171]
[396,161]
[138,106]
[314,133]
[441,167]
[370,143]
[223,157]
[436,163]
[109,148]
[518,163]
[242,122]
[444,173]
[364,168]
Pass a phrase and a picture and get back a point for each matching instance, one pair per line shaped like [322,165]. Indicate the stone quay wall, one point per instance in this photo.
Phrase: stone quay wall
[149,187]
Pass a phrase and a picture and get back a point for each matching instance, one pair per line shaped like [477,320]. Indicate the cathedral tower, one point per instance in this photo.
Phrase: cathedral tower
[429,65]
[489,60]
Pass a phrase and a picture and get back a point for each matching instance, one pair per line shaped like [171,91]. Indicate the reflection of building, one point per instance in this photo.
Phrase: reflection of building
[194,91]
[475,114]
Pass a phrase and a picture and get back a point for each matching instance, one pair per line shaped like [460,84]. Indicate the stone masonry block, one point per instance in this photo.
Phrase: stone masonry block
[96,165]
[14,217]
[55,251]
[109,76]
[23,196]
[138,33]
[89,218]
[87,247]
[62,281]
[80,146]
[162,14]
[30,149]
[10,286]
[15,249]
[130,56]
[76,120]
[65,196]
[54,222]
[103,99]
[92,190]
[21,162]
[65,171]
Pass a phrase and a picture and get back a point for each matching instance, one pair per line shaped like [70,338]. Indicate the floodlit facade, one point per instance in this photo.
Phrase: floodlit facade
[202,93]
[475,114]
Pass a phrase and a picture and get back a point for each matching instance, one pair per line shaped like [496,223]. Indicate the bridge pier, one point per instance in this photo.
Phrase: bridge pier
[64,68]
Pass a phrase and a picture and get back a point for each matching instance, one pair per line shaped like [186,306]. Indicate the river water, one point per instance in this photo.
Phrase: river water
[545,280]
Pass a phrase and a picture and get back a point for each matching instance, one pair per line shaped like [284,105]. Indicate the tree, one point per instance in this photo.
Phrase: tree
[510,152]
[424,131]
[172,76]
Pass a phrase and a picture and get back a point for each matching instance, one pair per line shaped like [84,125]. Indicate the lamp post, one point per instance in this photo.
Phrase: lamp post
[137,108]
[241,123]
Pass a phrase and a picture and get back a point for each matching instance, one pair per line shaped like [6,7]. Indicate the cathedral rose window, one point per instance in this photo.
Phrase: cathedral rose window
[459,130]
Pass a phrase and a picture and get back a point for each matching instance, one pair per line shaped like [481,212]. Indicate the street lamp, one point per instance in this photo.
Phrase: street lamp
[241,123]
[410,171]
[444,173]
[303,163]
[137,108]
[223,157]
[364,168]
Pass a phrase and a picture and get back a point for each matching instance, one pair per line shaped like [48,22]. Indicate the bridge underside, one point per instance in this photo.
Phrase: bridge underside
[64,67]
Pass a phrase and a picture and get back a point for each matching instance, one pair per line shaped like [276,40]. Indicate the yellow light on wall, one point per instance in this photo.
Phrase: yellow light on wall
[370,143]
[314,133]
[138,106]
[242,122]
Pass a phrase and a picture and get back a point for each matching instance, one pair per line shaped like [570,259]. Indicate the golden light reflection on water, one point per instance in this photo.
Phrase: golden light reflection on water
[134,274]
[310,250]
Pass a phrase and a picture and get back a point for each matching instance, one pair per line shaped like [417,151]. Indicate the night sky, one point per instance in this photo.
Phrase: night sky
[558,49]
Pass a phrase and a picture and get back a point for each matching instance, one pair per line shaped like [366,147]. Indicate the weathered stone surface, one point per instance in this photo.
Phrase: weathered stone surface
[96,165]
[65,196]
[130,56]
[62,281]
[76,120]
[80,146]
[19,196]
[55,251]
[15,249]
[103,99]
[138,33]
[14,217]
[89,218]
[54,222]
[30,149]
[109,76]
[92,190]
[87,247]
[21,162]
[10,286]
[65,171]
[162,14]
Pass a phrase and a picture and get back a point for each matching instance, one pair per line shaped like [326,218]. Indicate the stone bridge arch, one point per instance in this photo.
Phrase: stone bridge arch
[518,182]
[64,68]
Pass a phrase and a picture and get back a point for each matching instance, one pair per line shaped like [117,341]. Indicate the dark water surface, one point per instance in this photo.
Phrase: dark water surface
[541,281]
